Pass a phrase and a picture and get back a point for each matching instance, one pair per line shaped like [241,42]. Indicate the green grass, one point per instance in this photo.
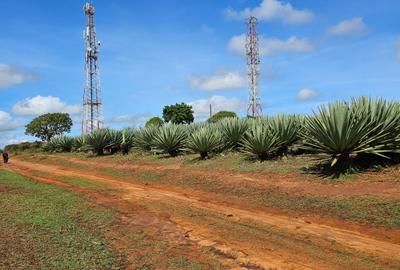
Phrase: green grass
[371,210]
[46,227]
[79,182]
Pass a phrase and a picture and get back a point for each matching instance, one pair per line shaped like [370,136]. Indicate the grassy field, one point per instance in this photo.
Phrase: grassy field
[152,212]
[47,227]
[368,209]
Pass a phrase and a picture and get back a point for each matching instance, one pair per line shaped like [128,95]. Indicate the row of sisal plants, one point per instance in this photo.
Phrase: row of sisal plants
[337,133]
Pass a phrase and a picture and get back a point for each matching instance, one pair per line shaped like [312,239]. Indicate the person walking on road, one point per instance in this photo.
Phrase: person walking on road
[5,157]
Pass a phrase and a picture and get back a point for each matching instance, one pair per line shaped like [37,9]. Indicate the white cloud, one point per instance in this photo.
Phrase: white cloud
[10,76]
[221,80]
[273,10]
[272,46]
[40,105]
[133,120]
[350,27]
[201,107]
[7,122]
[307,94]
[10,137]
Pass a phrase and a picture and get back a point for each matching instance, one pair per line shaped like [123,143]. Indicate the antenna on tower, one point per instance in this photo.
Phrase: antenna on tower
[92,104]
[254,108]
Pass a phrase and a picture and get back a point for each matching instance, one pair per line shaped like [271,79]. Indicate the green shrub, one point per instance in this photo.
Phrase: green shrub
[59,144]
[155,121]
[221,115]
[79,143]
[128,136]
[144,138]
[170,140]
[204,141]
[287,127]
[233,131]
[98,141]
[261,143]
[341,131]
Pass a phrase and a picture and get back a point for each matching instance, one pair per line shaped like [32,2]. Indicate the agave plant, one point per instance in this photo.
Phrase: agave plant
[144,138]
[116,140]
[261,143]
[342,131]
[204,141]
[99,140]
[128,136]
[79,143]
[60,144]
[170,140]
[233,131]
[195,127]
[287,127]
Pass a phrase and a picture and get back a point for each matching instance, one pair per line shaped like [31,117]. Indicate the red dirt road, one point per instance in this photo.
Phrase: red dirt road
[210,221]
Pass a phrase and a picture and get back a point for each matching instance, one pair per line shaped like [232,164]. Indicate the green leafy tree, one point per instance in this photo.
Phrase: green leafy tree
[221,115]
[154,121]
[48,125]
[178,114]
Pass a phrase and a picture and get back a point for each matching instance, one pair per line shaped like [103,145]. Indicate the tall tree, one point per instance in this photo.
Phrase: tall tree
[48,125]
[178,114]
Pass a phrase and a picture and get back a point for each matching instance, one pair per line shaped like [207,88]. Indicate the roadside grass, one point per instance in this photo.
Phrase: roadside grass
[370,210]
[273,239]
[237,163]
[80,182]
[46,227]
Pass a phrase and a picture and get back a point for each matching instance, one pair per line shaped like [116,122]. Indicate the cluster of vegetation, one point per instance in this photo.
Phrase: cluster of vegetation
[343,135]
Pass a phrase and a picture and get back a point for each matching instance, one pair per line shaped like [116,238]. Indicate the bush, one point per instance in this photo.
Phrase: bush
[59,144]
[287,127]
[24,147]
[221,115]
[155,121]
[261,143]
[233,130]
[342,131]
[79,143]
[98,141]
[128,137]
[204,141]
[170,140]
[144,138]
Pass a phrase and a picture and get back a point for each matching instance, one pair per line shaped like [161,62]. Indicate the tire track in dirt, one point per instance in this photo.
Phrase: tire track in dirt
[293,182]
[166,226]
[346,238]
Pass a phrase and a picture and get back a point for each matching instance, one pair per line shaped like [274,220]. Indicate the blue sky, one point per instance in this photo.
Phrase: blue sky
[156,53]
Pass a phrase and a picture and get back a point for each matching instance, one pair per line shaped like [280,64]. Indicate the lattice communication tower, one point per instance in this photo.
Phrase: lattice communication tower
[92,103]
[254,108]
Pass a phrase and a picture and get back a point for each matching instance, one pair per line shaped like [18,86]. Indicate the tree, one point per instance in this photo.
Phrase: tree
[49,125]
[178,114]
[154,121]
[221,115]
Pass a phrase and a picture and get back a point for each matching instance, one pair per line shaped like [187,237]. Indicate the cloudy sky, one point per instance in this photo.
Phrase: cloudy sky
[156,53]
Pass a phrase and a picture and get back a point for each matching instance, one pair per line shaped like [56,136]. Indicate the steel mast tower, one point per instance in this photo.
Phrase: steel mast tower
[254,108]
[92,104]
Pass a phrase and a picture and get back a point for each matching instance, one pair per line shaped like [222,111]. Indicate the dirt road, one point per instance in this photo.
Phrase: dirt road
[240,237]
